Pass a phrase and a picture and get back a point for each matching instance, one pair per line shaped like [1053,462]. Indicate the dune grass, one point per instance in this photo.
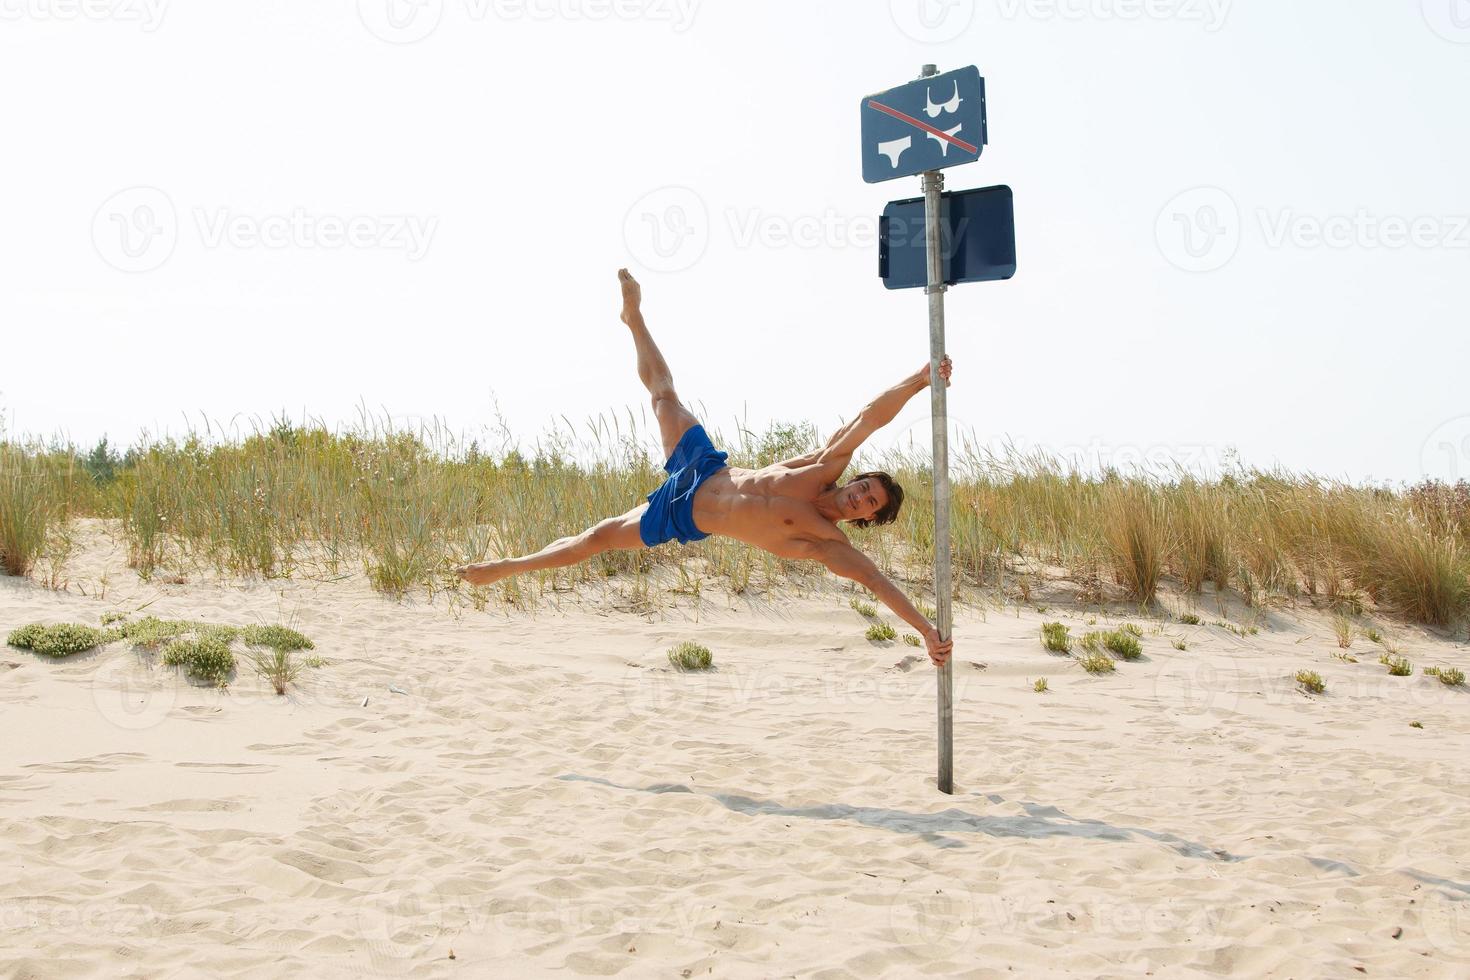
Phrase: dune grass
[404,507]
[275,665]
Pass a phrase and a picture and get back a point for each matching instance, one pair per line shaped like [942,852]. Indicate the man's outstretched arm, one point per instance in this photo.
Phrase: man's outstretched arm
[875,415]
[845,560]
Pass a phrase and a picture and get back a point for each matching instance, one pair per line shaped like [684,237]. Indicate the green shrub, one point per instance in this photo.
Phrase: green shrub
[862,608]
[1098,663]
[150,632]
[1092,642]
[204,658]
[912,639]
[24,636]
[1132,628]
[277,637]
[1448,676]
[1040,686]
[1180,644]
[1124,644]
[1311,681]
[1189,619]
[61,640]
[881,632]
[690,656]
[225,634]
[1056,637]
[1397,666]
[108,618]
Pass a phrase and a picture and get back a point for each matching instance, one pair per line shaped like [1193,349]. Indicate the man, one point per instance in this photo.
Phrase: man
[790,508]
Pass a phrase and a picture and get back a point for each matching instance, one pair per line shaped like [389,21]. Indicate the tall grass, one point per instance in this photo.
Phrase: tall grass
[405,505]
[36,493]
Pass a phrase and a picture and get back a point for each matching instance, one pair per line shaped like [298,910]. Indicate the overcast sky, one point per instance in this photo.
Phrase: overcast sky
[1240,224]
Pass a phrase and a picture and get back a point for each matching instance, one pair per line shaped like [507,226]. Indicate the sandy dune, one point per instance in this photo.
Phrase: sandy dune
[547,797]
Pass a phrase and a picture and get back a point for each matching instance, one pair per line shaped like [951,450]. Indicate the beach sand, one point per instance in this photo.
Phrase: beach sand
[547,797]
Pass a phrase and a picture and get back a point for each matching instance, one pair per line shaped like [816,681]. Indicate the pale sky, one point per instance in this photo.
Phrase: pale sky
[1240,224]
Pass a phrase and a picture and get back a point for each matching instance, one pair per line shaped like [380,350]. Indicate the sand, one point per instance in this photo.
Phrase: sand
[546,797]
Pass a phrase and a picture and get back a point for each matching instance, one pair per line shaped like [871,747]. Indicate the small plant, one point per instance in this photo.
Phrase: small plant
[204,658]
[1092,642]
[1397,666]
[25,636]
[1416,724]
[881,632]
[1372,635]
[1124,644]
[277,637]
[1346,658]
[277,666]
[862,607]
[1342,626]
[108,618]
[1040,686]
[150,632]
[690,656]
[61,640]
[1056,637]
[1180,644]
[1098,663]
[926,609]
[1132,628]
[313,661]
[1189,619]
[1448,676]
[1311,681]
[912,639]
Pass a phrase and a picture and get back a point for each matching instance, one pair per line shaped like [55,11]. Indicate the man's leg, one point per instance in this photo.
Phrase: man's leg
[673,418]
[619,532]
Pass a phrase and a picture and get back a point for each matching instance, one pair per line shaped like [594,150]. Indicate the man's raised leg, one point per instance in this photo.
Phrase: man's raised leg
[673,418]
[619,532]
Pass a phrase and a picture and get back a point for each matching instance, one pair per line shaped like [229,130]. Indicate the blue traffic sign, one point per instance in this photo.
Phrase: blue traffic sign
[929,124]
[977,238]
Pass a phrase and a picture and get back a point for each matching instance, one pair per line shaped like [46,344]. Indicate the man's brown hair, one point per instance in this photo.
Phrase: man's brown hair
[889,513]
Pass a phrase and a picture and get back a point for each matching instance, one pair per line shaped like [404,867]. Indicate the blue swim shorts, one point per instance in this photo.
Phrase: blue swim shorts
[670,511]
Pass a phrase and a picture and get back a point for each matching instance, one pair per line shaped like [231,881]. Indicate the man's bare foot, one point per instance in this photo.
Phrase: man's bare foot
[485,573]
[632,294]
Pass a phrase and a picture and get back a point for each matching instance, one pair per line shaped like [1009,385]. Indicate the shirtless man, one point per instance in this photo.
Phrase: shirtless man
[790,508]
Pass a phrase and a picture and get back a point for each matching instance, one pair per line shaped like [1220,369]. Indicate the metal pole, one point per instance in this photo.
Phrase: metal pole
[933,186]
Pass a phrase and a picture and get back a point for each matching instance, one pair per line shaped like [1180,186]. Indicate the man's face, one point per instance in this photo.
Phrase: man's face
[861,499]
